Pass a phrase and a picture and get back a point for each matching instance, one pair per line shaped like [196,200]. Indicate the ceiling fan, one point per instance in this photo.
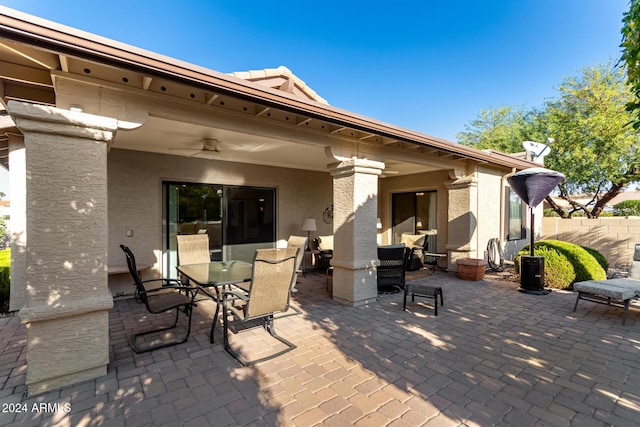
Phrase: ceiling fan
[208,148]
[388,172]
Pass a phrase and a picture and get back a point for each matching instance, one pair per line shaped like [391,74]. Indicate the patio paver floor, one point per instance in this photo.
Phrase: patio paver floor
[492,356]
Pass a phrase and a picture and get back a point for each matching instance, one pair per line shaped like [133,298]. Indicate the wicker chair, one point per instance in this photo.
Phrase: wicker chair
[159,300]
[269,293]
[392,267]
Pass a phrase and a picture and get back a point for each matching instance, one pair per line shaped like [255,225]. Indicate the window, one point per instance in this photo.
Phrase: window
[516,211]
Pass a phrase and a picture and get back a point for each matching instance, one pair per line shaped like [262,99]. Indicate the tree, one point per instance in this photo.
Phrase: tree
[631,56]
[594,148]
[503,129]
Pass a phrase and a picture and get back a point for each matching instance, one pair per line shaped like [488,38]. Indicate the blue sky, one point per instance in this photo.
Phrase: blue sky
[429,66]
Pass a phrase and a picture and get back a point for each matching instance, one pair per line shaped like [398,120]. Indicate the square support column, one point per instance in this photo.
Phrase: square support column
[67,295]
[461,216]
[355,212]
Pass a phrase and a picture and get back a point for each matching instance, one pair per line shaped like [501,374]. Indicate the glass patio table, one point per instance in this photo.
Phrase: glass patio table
[216,275]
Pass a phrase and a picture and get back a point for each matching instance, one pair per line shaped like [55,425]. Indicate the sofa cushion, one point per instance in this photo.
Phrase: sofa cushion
[325,243]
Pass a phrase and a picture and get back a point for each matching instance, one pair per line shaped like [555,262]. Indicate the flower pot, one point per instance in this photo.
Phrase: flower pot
[471,268]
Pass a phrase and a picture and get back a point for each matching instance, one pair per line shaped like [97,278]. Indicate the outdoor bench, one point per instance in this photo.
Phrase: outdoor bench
[615,292]
[423,290]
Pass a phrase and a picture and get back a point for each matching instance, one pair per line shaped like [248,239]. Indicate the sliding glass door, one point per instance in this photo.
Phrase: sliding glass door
[415,213]
[238,220]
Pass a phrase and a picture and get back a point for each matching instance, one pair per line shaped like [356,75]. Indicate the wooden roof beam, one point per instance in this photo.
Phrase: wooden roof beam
[146,82]
[262,111]
[340,129]
[367,136]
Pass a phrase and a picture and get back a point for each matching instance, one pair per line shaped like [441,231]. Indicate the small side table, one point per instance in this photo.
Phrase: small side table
[436,260]
[310,261]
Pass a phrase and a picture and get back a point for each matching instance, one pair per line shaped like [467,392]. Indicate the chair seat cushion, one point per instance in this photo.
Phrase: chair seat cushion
[166,301]
[622,289]
[423,289]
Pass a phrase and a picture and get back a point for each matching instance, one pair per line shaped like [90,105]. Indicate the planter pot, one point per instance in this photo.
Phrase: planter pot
[471,268]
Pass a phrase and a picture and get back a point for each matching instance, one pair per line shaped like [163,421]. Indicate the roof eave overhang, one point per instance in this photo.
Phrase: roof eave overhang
[63,40]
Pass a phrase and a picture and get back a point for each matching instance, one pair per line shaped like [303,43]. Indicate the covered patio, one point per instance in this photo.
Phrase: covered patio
[492,356]
[97,134]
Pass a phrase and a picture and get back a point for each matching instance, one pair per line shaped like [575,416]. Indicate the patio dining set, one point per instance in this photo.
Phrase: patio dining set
[246,291]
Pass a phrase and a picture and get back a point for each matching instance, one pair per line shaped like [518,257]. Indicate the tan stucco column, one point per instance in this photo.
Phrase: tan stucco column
[355,208]
[67,295]
[462,219]
[18,222]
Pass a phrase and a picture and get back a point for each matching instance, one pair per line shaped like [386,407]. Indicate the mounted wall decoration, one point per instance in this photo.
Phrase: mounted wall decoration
[327,215]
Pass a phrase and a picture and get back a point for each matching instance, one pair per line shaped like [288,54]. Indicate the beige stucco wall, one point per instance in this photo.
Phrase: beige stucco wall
[135,200]
[491,212]
[490,207]
[614,237]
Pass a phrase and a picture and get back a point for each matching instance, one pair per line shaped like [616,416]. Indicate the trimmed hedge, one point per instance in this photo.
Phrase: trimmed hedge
[566,263]
[627,208]
[599,257]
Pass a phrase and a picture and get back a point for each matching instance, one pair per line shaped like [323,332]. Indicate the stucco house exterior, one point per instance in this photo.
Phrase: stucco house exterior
[111,144]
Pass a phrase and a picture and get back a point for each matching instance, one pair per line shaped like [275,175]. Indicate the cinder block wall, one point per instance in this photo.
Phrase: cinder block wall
[614,237]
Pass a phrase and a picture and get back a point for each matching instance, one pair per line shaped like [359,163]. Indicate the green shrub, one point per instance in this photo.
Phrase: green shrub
[565,263]
[5,258]
[599,257]
[627,208]
[558,271]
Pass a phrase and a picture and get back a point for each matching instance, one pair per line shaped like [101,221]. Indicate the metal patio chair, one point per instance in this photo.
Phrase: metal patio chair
[301,243]
[193,249]
[269,293]
[157,300]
